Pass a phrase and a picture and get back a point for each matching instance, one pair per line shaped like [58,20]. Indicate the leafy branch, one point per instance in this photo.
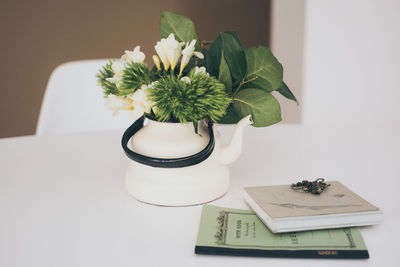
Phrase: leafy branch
[243,82]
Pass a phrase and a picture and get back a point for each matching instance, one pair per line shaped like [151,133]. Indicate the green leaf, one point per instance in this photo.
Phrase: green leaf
[196,126]
[262,64]
[225,75]
[213,58]
[234,55]
[181,26]
[228,44]
[285,91]
[263,107]
[230,117]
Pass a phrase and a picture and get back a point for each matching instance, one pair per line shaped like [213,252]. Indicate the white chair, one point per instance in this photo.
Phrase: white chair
[74,102]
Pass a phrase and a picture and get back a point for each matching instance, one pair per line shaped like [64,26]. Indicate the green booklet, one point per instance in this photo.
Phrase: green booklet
[225,231]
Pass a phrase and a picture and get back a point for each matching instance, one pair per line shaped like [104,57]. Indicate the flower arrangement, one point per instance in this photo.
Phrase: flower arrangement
[193,80]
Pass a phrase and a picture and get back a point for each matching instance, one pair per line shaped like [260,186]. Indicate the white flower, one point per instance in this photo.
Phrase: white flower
[186,79]
[135,55]
[118,68]
[169,51]
[173,49]
[117,103]
[187,53]
[162,52]
[141,100]
[201,70]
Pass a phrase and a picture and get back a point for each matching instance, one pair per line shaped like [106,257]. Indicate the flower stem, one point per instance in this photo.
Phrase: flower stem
[204,43]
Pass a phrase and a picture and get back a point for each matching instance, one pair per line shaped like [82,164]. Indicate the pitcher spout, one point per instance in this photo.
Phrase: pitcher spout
[231,151]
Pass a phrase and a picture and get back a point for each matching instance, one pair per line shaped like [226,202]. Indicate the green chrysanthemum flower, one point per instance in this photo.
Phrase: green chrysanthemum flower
[103,74]
[135,75]
[176,100]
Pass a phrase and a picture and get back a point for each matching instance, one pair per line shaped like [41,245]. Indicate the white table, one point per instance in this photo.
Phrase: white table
[63,202]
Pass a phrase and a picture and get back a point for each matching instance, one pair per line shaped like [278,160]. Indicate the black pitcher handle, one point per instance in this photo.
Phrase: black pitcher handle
[162,162]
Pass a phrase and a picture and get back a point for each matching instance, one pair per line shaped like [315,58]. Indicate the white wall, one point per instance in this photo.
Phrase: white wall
[287,39]
[351,62]
[341,58]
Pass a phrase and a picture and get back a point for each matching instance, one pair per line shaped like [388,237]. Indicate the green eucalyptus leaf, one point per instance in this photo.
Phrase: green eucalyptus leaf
[214,57]
[181,26]
[230,117]
[234,55]
[228,44]
[225,75]
[263,107]
[285,91]
[262,65]
[236,37]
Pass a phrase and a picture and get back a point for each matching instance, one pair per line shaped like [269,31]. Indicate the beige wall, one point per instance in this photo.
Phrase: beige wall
[287,44]
[36,36]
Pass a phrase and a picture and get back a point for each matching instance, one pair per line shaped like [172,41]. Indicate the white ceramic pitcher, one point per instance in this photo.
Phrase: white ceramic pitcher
[181,186]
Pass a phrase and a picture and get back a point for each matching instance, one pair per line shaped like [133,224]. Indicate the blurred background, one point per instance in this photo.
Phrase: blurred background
[340,57]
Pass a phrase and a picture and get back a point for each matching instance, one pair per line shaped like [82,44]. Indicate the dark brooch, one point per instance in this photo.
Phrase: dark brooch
[316,187]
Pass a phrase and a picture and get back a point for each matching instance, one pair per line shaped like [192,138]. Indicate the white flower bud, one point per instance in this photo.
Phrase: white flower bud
[200,70]
[118,68]
[187,53]
[135,55]
[186,80]
[162,52]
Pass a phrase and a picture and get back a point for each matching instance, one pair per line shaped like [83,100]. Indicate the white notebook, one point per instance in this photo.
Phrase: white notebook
[283,209]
